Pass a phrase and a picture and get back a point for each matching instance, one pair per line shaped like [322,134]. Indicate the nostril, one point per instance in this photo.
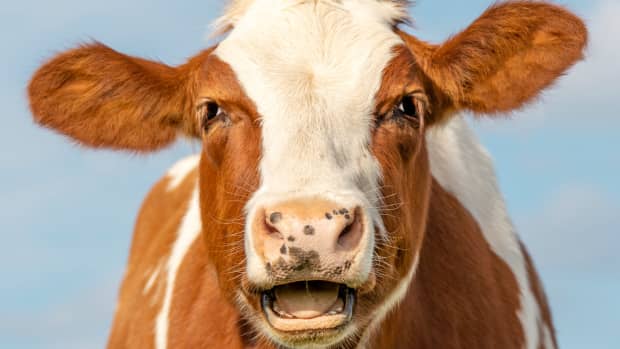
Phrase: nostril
[275,217]
[270,225]
[344,234]
[351,235]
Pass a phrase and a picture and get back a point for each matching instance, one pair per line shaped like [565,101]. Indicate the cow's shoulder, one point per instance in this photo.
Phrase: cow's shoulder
[163,209]
[463,169]
[157,226]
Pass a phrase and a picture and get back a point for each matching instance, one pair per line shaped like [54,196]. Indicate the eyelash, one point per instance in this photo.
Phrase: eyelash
[209,112]
[407,109]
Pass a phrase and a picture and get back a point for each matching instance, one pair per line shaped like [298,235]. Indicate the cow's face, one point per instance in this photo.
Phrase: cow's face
[319,201]
[314,177]
[314,147]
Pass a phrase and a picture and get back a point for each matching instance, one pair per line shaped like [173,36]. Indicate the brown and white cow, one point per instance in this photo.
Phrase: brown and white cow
[339,200]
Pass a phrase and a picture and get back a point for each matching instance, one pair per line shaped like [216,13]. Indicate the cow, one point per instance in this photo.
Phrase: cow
[339,199]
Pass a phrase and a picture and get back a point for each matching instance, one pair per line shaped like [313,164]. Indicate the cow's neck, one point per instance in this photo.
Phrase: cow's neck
[461,290]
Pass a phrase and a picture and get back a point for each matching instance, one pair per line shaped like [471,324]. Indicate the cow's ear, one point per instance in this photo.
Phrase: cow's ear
[505,58]
[102,98]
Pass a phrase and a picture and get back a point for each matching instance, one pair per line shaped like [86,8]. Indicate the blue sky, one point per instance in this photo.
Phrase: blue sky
[66,213]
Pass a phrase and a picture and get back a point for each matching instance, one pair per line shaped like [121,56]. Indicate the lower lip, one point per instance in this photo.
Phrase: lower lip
[323,322]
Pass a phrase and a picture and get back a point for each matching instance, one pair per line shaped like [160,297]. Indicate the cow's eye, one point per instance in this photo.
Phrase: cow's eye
[407,108]
[210,112]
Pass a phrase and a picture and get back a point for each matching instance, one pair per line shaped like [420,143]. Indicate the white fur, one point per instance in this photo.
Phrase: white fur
[151,281]
[188,233]
[464,168]
[313,68]
[180,170]
[547,339]
[394,11]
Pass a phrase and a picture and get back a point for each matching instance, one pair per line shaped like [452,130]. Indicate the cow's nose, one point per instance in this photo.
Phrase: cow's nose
[314,234]
[339,229]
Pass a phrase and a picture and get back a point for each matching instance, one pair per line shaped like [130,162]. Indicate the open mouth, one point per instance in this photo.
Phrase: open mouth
[308,306]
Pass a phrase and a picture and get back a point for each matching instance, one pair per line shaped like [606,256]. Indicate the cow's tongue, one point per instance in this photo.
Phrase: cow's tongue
[307,300]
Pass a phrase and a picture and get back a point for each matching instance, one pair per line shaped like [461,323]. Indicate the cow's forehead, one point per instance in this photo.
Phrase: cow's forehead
[313,66]
[310,49]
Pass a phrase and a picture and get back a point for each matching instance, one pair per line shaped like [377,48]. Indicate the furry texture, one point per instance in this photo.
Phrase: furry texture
[103,98]
[395,11]
[309,90]
[464,168]
[189,231]
[506,57]
[179,171]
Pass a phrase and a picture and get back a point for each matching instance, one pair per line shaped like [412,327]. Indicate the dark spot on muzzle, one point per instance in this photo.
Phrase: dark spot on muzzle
[275,217]
[328,215]
[304,259]
[300,260]
[309,230]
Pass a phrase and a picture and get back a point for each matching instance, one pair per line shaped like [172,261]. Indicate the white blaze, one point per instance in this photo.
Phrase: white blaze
[313,69]
[188,232]
[180,170]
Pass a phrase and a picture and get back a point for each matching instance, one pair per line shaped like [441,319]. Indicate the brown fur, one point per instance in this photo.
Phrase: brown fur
[103,98]
[506,57]
[541,298]
[462,296]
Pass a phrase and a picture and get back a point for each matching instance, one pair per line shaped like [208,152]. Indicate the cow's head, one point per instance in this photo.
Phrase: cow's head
[314,178]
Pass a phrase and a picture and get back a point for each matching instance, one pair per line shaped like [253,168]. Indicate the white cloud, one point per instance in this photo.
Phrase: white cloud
[590,90]
[576,229]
